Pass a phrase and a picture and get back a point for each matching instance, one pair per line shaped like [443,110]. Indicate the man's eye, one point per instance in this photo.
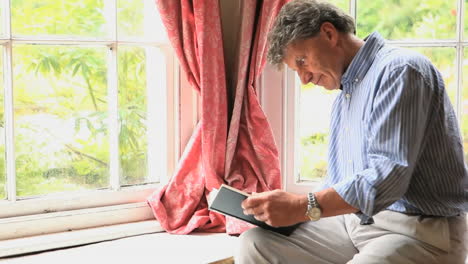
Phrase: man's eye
[300,61]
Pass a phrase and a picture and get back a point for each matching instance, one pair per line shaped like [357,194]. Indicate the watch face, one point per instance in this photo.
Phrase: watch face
[314,213]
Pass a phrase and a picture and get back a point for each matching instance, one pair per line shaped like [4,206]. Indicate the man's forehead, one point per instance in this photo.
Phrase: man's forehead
[292,53]
[291,47]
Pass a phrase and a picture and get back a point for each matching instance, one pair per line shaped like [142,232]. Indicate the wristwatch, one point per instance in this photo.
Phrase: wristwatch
[313,209]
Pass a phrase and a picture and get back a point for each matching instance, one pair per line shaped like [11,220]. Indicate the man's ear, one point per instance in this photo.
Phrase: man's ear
[330,32]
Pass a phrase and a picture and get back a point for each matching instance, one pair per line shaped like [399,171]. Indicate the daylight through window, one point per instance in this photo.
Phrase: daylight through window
[82,96]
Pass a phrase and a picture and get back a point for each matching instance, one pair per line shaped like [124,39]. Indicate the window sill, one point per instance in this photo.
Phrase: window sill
[26,245]
[60,202]
[49,223]
[214,248]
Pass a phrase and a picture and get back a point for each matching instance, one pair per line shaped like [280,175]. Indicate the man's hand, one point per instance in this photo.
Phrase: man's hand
[277,208]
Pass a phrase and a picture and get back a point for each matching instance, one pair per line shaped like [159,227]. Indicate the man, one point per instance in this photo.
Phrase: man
[395,186]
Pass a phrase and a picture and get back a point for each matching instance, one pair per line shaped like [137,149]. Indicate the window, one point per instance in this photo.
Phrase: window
[87,105]
[438,29]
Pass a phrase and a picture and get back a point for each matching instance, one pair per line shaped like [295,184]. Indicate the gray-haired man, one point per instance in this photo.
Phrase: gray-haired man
[395,187]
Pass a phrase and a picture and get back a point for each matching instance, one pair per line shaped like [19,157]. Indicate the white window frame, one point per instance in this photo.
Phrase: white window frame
[277,94]
[280,100]
[118,204]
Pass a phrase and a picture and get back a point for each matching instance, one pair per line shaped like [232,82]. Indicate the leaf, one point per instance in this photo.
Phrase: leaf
[45,67]
[133,140]
[84,70]
[77,124]
[90,125]
[75,70]
[55,65]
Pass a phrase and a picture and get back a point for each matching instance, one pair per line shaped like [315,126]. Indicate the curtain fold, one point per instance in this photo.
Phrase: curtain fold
[194,30]
[252,159]
[244,156]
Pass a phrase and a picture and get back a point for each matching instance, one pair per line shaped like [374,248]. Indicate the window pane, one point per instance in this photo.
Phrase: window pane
[2,132]
[61,118]
[132,114]
[444,60]
[64,17]
[315,105]
[140,19]
[464,105]
[407,19]
[343,4]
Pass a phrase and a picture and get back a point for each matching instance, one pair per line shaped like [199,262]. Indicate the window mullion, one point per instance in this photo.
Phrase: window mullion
[157,114]
[291,99]
[111,11]
[112,88]
[9,122]
[173,114]
[7,18]
[461,14]
[353,9]
[459,60]
[112,82]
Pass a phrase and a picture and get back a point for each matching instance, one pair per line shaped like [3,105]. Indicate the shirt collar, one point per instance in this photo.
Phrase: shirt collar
[362,61]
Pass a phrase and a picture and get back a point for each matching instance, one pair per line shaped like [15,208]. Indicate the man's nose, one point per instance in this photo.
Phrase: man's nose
[304,76]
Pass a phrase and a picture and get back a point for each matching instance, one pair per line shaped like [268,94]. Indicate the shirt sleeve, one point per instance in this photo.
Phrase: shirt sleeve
[395,131]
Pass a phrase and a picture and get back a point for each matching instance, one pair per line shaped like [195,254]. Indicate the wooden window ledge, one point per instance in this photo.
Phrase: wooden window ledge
[145,242]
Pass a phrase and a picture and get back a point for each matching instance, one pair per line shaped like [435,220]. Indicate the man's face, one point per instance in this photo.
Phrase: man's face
[316,60]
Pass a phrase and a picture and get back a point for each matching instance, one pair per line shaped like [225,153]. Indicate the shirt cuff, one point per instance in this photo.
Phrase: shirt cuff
[359,194]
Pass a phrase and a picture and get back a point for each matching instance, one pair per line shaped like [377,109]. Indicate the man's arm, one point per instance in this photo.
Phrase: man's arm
[280,208]
[332,204]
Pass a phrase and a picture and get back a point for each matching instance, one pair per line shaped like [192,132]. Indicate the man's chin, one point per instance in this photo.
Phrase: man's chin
[330,87]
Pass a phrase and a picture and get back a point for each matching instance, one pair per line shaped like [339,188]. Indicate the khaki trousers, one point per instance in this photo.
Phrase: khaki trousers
[394,238]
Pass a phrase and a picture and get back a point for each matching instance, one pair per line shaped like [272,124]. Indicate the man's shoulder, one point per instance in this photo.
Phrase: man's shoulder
[399,57]
[392,59]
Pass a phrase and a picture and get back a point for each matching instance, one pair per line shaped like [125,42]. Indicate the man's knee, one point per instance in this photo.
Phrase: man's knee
[252,246]
[396,249]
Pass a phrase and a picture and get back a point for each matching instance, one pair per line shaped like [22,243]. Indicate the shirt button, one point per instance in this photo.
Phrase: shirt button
[348,96]
[349,161]
[356,80]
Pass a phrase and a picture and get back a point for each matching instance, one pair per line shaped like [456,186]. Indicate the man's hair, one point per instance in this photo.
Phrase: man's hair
[301,19]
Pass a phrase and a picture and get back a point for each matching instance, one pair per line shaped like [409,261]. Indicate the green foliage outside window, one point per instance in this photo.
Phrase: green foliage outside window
[343,4]
[407,19]
[61,106]
[314,156]
[64,17]
[58,93]
[132,114]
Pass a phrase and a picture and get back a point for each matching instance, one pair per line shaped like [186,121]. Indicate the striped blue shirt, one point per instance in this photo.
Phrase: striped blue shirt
[395,143]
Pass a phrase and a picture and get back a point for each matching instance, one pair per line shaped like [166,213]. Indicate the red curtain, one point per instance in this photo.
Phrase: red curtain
[245,155]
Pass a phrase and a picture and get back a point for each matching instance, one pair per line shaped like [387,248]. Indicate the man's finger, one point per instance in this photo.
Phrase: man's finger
[250,211]
[253,201]
[259,217]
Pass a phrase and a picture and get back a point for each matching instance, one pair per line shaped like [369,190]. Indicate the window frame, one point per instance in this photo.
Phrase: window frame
[277,94]
[85,209]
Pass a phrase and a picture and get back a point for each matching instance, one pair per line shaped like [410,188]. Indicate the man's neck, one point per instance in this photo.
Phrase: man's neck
[351,45]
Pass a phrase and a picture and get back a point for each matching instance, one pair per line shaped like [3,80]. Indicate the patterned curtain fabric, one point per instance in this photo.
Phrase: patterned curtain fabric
[252,160]
[245,155]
